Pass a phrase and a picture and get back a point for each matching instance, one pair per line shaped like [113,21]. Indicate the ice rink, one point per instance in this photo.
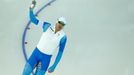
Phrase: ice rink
[100,36]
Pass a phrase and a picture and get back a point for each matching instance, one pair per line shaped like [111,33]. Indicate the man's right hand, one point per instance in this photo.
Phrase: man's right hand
[33,5]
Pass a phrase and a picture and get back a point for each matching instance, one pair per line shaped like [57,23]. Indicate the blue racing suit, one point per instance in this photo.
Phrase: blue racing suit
[43,52]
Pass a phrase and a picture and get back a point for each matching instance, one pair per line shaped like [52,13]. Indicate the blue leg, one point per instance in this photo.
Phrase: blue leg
[31,63]
[43,65]
[27,69]
[40,72]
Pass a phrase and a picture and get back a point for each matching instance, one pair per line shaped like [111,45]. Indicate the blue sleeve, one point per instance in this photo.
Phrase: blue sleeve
[33,17]
[45,26]
[34,20]
[62,44]
[61,49]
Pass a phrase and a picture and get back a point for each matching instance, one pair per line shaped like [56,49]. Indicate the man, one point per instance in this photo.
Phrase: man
[53,37]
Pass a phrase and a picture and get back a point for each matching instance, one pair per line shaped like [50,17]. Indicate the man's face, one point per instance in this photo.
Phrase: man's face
[58,27]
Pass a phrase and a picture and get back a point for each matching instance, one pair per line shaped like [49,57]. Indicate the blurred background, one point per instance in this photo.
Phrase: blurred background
[100,36]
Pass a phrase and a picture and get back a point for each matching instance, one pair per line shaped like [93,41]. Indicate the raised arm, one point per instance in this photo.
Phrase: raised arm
[60,53]
[31,13]
[34,20]
[33,17]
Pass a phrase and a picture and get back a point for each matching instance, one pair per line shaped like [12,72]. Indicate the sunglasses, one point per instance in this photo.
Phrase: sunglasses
[62,23]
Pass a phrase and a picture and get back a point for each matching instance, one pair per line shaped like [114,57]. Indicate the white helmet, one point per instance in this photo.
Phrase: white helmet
[62,20]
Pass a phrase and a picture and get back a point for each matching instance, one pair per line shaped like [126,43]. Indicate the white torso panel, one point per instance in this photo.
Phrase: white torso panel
[50,40]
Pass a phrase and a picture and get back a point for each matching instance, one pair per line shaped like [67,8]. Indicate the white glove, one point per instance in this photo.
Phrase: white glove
[33,4]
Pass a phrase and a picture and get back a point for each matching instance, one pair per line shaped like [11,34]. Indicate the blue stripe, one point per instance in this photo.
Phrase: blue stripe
[45,26]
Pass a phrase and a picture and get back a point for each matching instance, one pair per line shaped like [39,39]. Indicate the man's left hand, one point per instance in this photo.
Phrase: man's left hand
[51,69]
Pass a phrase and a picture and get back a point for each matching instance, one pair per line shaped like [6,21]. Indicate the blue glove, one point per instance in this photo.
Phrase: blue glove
[51,69]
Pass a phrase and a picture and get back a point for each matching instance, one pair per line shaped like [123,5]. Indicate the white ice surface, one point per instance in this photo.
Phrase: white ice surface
[100,36]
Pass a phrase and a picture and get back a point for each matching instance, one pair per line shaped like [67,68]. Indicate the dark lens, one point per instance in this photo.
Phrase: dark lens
[61,23]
